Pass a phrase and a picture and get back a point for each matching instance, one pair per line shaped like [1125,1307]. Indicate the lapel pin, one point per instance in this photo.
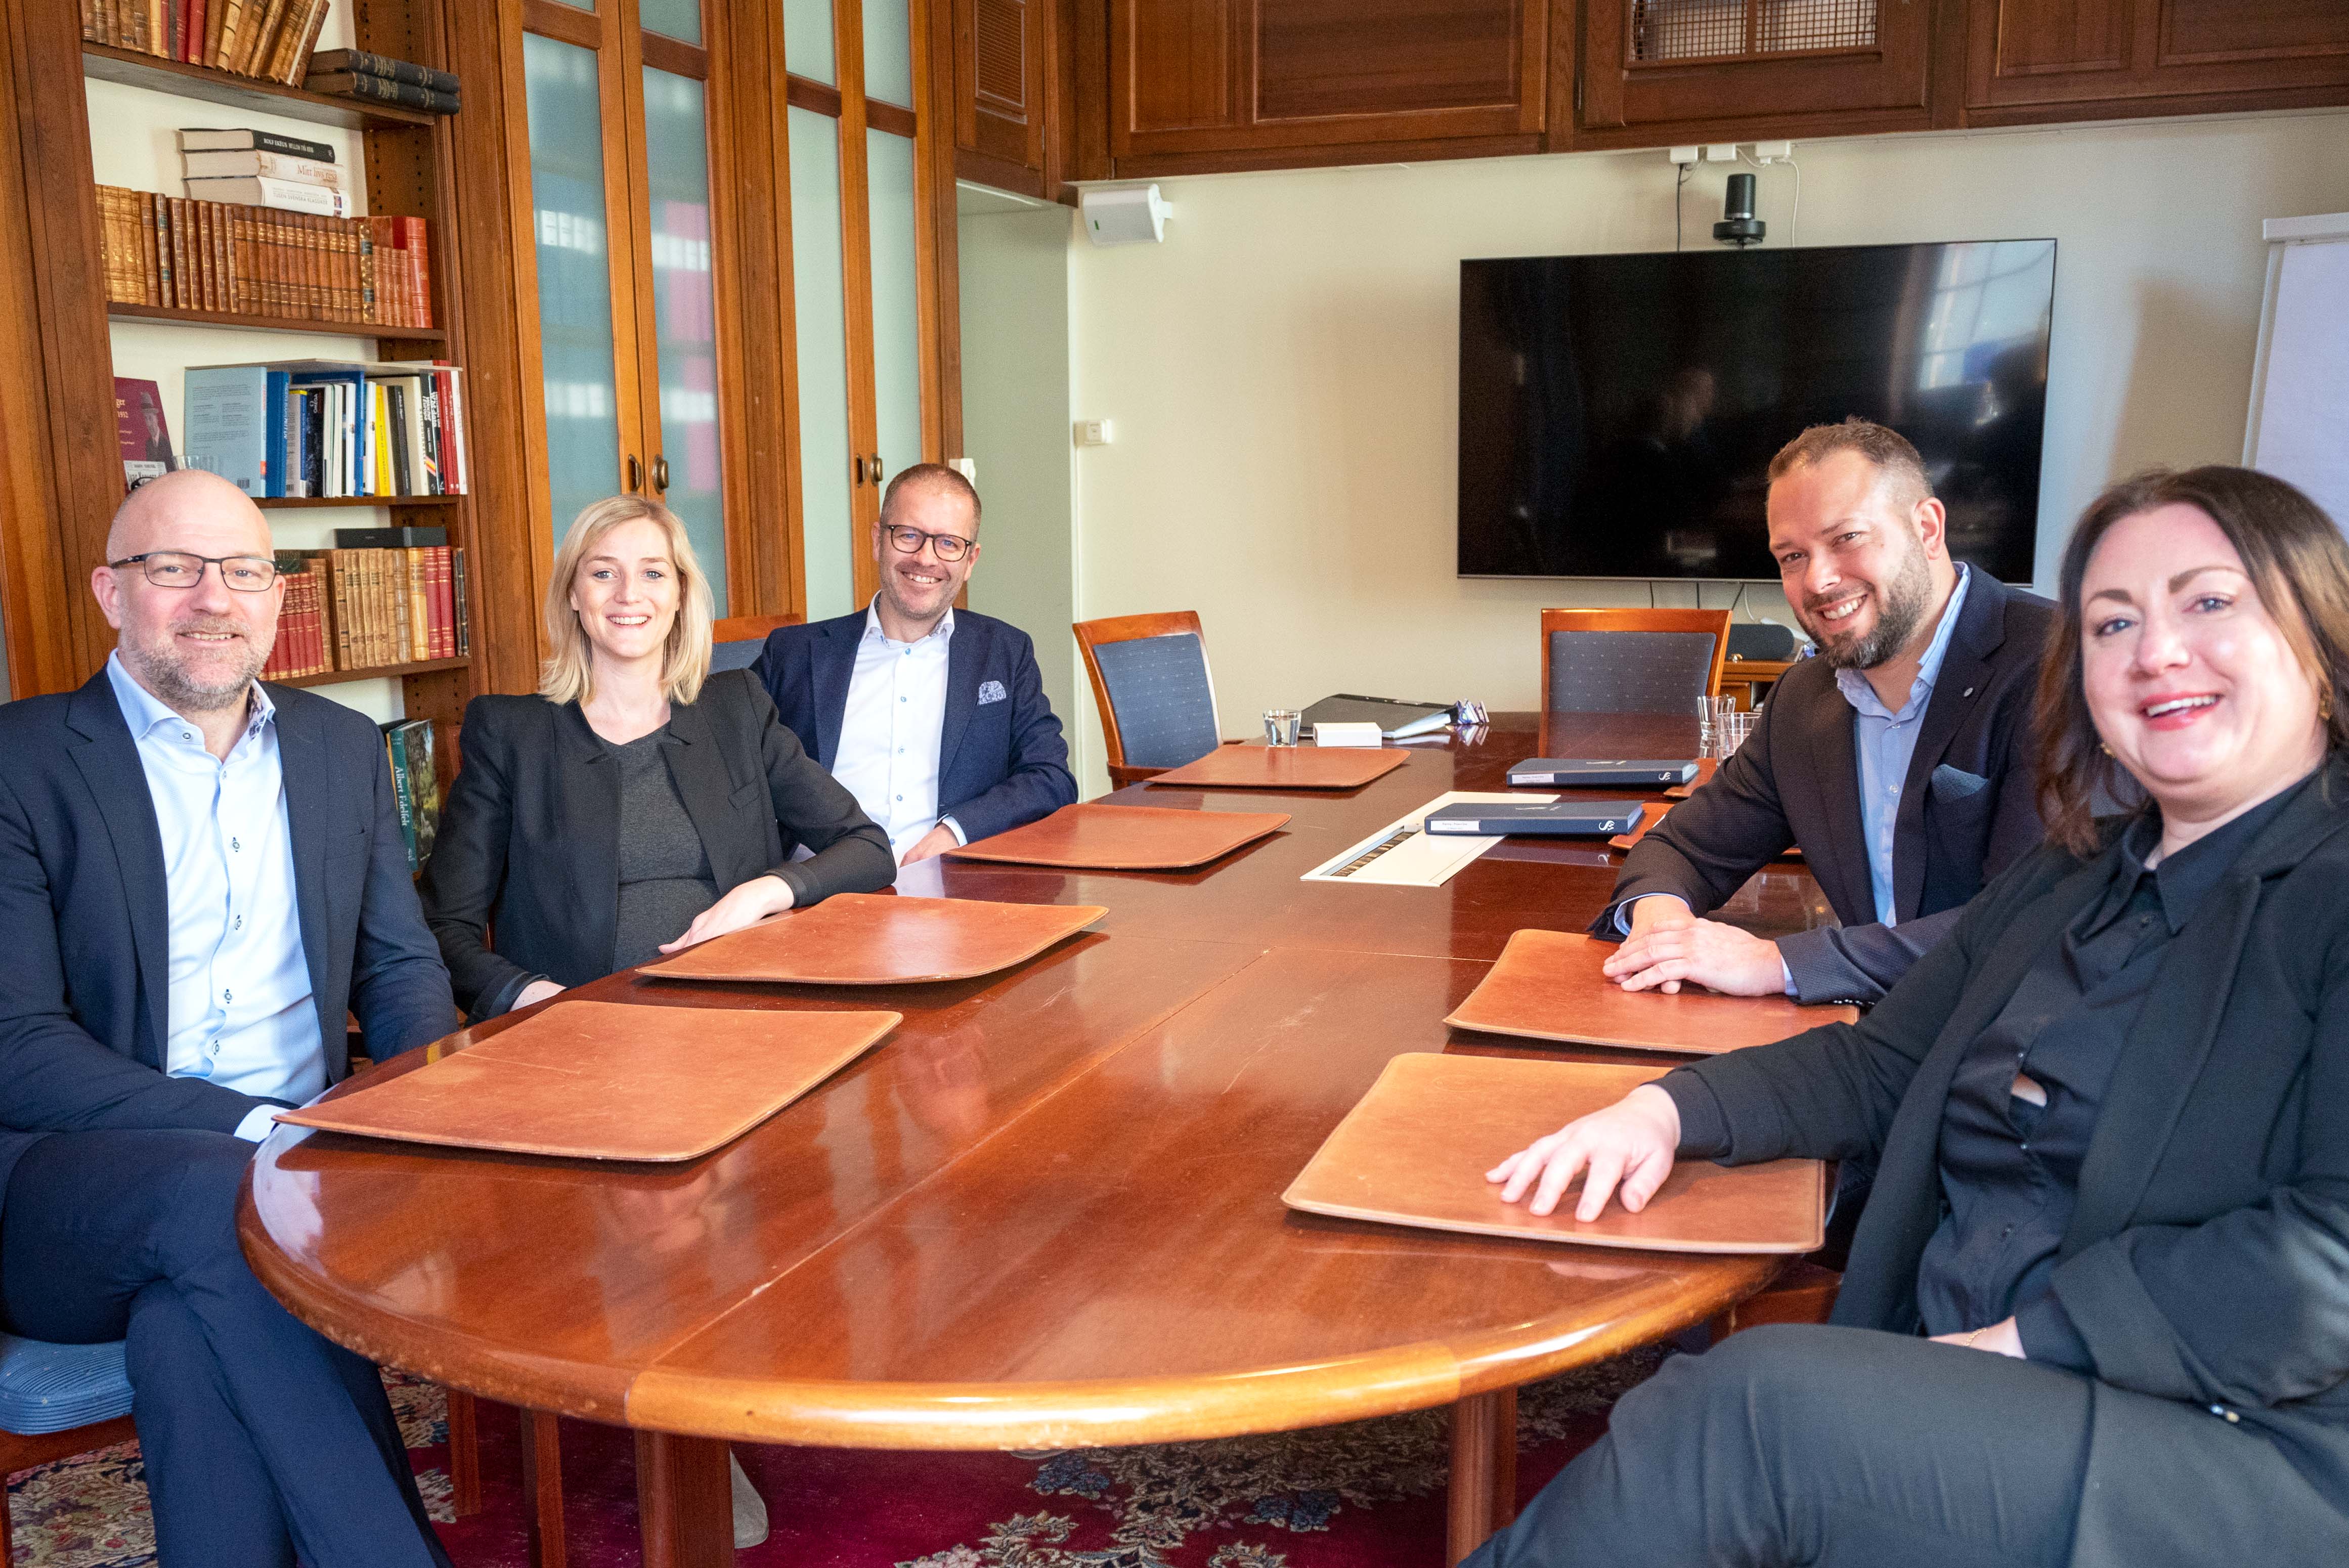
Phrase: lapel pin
[1969,691]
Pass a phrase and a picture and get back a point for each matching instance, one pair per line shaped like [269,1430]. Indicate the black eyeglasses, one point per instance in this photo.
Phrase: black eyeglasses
[909,541]
[178,568]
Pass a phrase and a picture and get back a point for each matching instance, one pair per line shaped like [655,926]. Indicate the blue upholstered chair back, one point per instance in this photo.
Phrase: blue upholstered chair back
[47,1388]
[739,656]
[1628,672]
[1164,701]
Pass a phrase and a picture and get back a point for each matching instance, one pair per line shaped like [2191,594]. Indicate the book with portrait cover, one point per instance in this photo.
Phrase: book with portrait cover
[140,431]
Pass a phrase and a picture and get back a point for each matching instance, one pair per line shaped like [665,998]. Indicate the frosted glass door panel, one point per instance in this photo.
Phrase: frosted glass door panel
[574,278]
[820,297]
[685,314]
[807,41]
[888,53]
[679,19]
[896,309]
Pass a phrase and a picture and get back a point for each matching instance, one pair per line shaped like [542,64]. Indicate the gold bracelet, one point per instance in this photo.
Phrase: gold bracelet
[1977,1334]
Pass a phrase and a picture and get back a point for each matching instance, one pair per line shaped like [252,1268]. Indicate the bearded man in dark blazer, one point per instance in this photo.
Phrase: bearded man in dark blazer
[1898,761]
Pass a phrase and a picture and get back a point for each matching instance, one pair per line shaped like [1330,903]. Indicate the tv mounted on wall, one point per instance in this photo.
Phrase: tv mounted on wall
[1618,413]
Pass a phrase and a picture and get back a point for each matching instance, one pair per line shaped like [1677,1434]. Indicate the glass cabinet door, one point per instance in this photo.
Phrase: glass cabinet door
[686,468]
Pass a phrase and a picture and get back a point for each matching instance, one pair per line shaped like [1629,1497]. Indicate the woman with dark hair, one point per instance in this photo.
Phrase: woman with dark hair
[2112,1111]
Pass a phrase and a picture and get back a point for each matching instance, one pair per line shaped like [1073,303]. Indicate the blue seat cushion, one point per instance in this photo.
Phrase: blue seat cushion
[736,655]
[49,1388]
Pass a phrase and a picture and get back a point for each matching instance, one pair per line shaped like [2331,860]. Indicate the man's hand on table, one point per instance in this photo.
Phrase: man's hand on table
[536,991]
[1627,1151]
[1668,945]
[934,842]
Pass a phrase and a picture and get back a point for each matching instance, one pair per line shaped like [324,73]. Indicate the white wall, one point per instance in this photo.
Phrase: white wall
[1282,369]
[1016,423]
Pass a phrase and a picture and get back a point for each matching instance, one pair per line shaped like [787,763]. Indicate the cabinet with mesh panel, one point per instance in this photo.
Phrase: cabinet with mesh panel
[1705,70]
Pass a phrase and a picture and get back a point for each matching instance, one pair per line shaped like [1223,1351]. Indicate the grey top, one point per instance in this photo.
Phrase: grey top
[665,875]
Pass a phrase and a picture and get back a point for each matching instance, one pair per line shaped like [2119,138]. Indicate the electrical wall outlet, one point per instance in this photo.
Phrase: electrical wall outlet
[1685,156]
[1721,152]
[1094,432]
[1773,151]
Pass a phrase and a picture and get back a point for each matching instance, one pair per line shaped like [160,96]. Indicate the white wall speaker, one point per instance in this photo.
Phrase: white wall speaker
[1124,214]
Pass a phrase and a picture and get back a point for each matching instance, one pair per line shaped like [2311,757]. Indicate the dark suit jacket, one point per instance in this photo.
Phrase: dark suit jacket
[2207,1257]
[1968,809]
[84,915]
[1001,759]
[530,838]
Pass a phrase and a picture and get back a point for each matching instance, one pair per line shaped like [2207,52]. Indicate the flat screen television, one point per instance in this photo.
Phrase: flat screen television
[1618,413]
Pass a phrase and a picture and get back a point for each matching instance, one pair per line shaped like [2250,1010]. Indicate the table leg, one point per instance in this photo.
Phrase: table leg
[542,1489]
[684,1495]
[1484,1470]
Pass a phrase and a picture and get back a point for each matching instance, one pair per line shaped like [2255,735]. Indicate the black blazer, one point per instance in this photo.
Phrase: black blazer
[1002,761]
[2208,1258]
[530,839]
[85,918]
[1968,808]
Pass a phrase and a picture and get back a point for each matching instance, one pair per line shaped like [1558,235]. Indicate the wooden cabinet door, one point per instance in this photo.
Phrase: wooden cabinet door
[1001,67]
[2048,59]
[1209,76]
[1702,70]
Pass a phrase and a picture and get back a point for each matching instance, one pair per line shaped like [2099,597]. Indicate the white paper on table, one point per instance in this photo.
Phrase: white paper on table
[1402,855]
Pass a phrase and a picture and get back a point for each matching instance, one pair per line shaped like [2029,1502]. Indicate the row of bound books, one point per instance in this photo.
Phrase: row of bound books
[240,259]
[327,429]
[408,746]
[360,610]
[268,39]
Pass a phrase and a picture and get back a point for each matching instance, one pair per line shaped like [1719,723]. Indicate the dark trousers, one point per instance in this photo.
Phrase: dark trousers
[1850,1448]
[260,1439]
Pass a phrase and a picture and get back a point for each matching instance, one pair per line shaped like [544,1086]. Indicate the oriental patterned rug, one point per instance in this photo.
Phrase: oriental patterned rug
[1365,1495]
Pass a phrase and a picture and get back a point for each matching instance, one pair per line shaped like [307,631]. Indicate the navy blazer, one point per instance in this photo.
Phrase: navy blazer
[83,919]
[1001,758]
[1969,808]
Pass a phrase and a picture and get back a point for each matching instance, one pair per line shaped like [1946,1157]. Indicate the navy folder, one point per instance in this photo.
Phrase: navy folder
[1585,772]
[1560,819]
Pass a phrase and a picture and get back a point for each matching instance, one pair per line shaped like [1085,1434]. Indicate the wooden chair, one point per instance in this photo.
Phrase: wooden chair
[1632,661]
[1151,683]
[739,639]
[1803,1293]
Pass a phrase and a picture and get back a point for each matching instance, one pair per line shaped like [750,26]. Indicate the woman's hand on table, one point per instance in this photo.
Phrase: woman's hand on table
[1673,946]
[536,991]
[1626,1150]
[2001,1339]
[751,902]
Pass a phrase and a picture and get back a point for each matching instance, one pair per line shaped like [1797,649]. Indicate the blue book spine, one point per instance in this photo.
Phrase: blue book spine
[274,459]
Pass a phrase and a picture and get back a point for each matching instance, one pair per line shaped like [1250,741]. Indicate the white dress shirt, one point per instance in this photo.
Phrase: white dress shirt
[891,729]
[238,1011]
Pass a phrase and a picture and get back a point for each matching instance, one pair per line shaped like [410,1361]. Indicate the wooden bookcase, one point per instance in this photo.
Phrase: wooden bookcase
[57,414]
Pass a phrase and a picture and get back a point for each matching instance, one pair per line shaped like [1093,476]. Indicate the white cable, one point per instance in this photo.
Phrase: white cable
[1796,217]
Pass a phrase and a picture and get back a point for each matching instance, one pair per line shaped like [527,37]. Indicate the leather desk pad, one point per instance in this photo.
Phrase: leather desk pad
[605,1080]
[1649,815]
[1125,837]
[881,939]
[1285,767]
[1548,985]
[1415,1150]
[1705,770]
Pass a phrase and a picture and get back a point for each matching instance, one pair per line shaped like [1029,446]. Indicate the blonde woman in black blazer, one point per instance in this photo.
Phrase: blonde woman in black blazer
[636,804]
[2112,1113]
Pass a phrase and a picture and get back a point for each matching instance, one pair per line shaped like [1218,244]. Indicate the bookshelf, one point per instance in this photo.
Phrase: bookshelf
[98,115]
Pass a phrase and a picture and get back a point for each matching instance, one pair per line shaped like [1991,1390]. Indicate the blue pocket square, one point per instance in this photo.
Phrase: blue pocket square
[991,691]
[1950,785]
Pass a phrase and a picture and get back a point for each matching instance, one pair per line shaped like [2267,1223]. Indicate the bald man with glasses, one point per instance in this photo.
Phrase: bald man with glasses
[199,875]
[935,718]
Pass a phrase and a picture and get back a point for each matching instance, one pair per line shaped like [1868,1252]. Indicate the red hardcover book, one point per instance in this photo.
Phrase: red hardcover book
[444,600]
[412,243]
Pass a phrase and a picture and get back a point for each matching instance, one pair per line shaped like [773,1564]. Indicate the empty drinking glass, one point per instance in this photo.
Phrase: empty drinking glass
[1280,725]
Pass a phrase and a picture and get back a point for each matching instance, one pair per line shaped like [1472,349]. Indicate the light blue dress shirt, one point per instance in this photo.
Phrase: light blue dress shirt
[892,727]
[1886,741]
[239,1009]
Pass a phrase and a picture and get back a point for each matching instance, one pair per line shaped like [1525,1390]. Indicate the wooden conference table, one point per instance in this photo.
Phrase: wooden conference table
[1045,1212]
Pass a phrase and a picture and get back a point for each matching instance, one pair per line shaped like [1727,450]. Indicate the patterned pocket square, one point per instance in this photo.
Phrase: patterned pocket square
[991,691]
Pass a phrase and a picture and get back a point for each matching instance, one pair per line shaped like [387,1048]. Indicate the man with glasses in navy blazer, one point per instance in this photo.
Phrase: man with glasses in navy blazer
[935,718]
[199,875]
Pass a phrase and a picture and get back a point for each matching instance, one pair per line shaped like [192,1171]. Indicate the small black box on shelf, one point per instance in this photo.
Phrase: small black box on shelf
[388,538]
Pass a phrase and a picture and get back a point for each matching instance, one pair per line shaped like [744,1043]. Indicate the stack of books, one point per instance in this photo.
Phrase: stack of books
[262,169]
[365,607]
[408,746]
[242,260]
[355,74]
[268,39]
[327,429]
